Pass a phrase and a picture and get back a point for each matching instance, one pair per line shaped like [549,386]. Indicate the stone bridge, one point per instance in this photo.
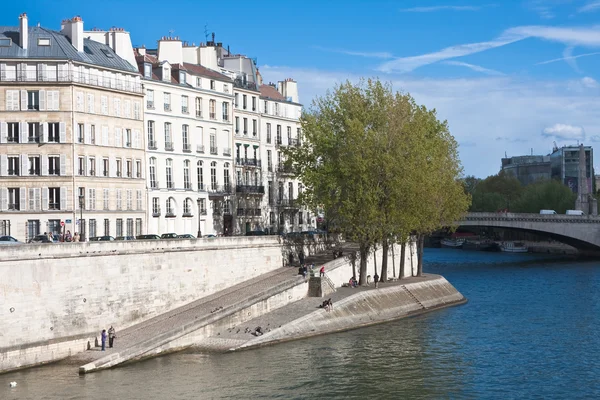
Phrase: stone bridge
[581,232]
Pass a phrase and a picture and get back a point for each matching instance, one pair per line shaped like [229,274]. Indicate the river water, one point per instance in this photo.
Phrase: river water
[529,330]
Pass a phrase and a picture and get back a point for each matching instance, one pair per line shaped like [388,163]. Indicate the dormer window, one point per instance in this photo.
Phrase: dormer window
[212,85]
[147,71]
[5,42]
[182,77]
[198,82]
[166,73]
[43,41]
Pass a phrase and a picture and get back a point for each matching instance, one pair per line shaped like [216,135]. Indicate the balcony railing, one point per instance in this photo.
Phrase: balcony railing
[252,162]
[219,190]
[199,148]
[184,110]
[227,151]
[239,83]
[203,212]
[287,203]
[201,187]
[187,148]
[156,212]
[285,169]
[214,150]
[152,145]
[250,189]
[169,146]
[198,114]
[167,107]
[248,212]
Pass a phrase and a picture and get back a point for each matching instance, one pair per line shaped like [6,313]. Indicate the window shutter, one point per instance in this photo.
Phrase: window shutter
[44,170]
[3,199]
[134,169]
[9,99]
[42,72]
[63,132]
[3,132]
[23,199]
[136,139]
[23,132]
[42,95]
[23,100]
[105,135]
[24,165]
[63,198]
[86,129]
[43,130]
[37,198]
[86,171]
[56,99]
[3,165]
[118,138]
[44,198]
[113,167]
[63,165]
[2,72]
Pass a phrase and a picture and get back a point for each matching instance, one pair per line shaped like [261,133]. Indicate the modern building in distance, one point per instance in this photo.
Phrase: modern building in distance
[528,169]
[71,143]
[565,162]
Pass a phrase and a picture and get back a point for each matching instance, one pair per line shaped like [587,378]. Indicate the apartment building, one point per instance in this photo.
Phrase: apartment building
[71,135]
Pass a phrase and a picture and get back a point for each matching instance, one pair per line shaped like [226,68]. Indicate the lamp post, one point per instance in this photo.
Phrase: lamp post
[199,215]
[81,204]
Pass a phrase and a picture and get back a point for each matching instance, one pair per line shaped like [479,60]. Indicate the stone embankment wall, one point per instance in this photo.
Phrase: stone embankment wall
[56,297]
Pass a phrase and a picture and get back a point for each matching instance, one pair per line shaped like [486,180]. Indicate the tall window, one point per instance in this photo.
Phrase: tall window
[225,111]
[167,98]
[151,136]
[119,227]
[198,107]
[269,161]
[200,176]
[187,208]
[53,132]
[269,133]
[245,126]
[253,103]
[213,175]
[13,132]
[289,135]
[106,227]
[152,170]
[127,137]
[105,166]
[254,127]
[212,109]
[150,99]
[244,102]
[92,166]
[54,198]
[14,198]
[129,226]
[169,173]
[33,99]
[155,206]
[13,165]
[53,165]
[213,141]
[278,134]
[184,105]
[237,124]
[185,138]
[34,165]
[168,137]
[187,183]
[170,209]
[34,132]
[226,181]
[237,100]
[129,168]
[80,133]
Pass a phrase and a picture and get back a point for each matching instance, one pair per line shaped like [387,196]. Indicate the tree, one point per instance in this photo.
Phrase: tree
[496,192]
[549,194]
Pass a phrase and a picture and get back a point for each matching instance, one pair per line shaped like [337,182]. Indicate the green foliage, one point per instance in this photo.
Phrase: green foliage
[496,192]
[379,165]
[470,183]
[548,195]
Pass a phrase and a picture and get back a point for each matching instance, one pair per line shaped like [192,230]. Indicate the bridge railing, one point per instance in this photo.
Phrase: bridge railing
[531,217]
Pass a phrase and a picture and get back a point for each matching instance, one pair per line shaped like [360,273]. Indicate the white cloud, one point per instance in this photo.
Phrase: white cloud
[356,53]
[589,82]
[588,37]
[442,8]
[474,67]
[589,7]
[564,132]
[480,110]
[565,58]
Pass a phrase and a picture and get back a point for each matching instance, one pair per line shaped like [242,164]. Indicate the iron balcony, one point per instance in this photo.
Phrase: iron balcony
[250,189]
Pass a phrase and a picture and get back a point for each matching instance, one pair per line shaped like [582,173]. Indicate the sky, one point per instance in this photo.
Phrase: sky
[511,77]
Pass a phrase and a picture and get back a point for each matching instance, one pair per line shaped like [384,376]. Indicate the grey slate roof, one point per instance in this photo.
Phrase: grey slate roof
[60,49]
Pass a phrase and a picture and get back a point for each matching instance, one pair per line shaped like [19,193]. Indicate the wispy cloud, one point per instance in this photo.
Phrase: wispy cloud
[366,54]
[590,83]
[474,67]
[589,7]
[443,8]
[568,58]
[564,132]
[588,37]
[407,64]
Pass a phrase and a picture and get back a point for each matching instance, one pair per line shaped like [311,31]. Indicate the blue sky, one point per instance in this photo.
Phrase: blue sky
[511,77]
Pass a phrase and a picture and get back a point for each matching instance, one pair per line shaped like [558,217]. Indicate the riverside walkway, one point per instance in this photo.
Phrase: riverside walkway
[139,340]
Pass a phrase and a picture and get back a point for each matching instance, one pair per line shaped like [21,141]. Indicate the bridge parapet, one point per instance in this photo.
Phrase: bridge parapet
[530,217]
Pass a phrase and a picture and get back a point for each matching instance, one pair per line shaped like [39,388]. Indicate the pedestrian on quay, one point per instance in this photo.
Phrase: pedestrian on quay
[103,339]
[68,236]
[76,237]
[322,271]
[376,280]
[111,336]
[301,257]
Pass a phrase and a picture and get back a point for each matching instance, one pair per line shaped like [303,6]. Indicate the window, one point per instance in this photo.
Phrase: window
[152,171]
[119,227]
[213,141]
[151,137]
[14,199]
[198,82]
[104,104]
[129,199]
[226,181]
[278,134]
[253,103]
[138,165]
[170,209]
[184,105]
[245,126]
[106,227]
[225,111]
[106,199]
[169,173]
[166,73]
[213,175]
[53,198]
[13,132]
[93,134]
[182,78]
[212,109]
[90,102]
[34,132]
[136,110]
[119,168]
[128,168]
[168,137]
[5,42]
[212,85]
[129,226]
[244,102]
[53,165]
[167,100]
[269,133]
[127,107]
[187,208]
[289,135]
[119,199]
[185,136]
[254,127]
[117,107]
[34,165]
[12,100]
[150,99]
[139,204]
[105,166]
[272,218]
[33,99]
[81,163]
[52,101]
[127,137]
[155,207]
[138,226]
[203,206]
[198,107]
[53,132]
[187,183]
[80,133]
[237,124]
[92,165]
[200,176]
[13,165]
[147,71]
[236,103]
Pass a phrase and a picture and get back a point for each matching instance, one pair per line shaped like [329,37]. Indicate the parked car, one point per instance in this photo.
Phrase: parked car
[169,236]
[256,233]
[147,237]
[125,238]
[186,236]
[102,239]
[40,239]
[209,236]
[8,240]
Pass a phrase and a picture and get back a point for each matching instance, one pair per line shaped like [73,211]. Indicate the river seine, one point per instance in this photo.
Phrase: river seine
[529,330]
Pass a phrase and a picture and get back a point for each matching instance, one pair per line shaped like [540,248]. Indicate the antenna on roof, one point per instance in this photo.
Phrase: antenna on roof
[171,32]
[206,32]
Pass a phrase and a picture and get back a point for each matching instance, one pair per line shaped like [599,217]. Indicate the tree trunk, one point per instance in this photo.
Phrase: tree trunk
[393,262]
[402,260]
[420,241]
[364,253]
[374,260]
[384,261]
[354,265]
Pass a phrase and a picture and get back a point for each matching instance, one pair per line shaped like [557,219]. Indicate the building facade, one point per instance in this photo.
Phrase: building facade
[71,135]
[528,169]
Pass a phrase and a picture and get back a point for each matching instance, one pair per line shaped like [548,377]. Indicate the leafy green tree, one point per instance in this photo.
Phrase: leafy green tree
[496,192]
[549,194]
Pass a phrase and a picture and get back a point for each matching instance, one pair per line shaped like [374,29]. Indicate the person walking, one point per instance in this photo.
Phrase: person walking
[322,271]
[111,336]
[376,279]
[103,339]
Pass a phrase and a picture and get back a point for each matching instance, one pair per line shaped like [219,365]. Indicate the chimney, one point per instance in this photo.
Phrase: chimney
[141,51]
[73,29]
[23,31]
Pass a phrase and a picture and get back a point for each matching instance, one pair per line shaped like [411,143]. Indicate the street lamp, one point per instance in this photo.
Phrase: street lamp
[81,204]
[199,222]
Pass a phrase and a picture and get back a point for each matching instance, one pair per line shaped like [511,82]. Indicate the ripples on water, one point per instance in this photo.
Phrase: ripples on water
[530,330]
